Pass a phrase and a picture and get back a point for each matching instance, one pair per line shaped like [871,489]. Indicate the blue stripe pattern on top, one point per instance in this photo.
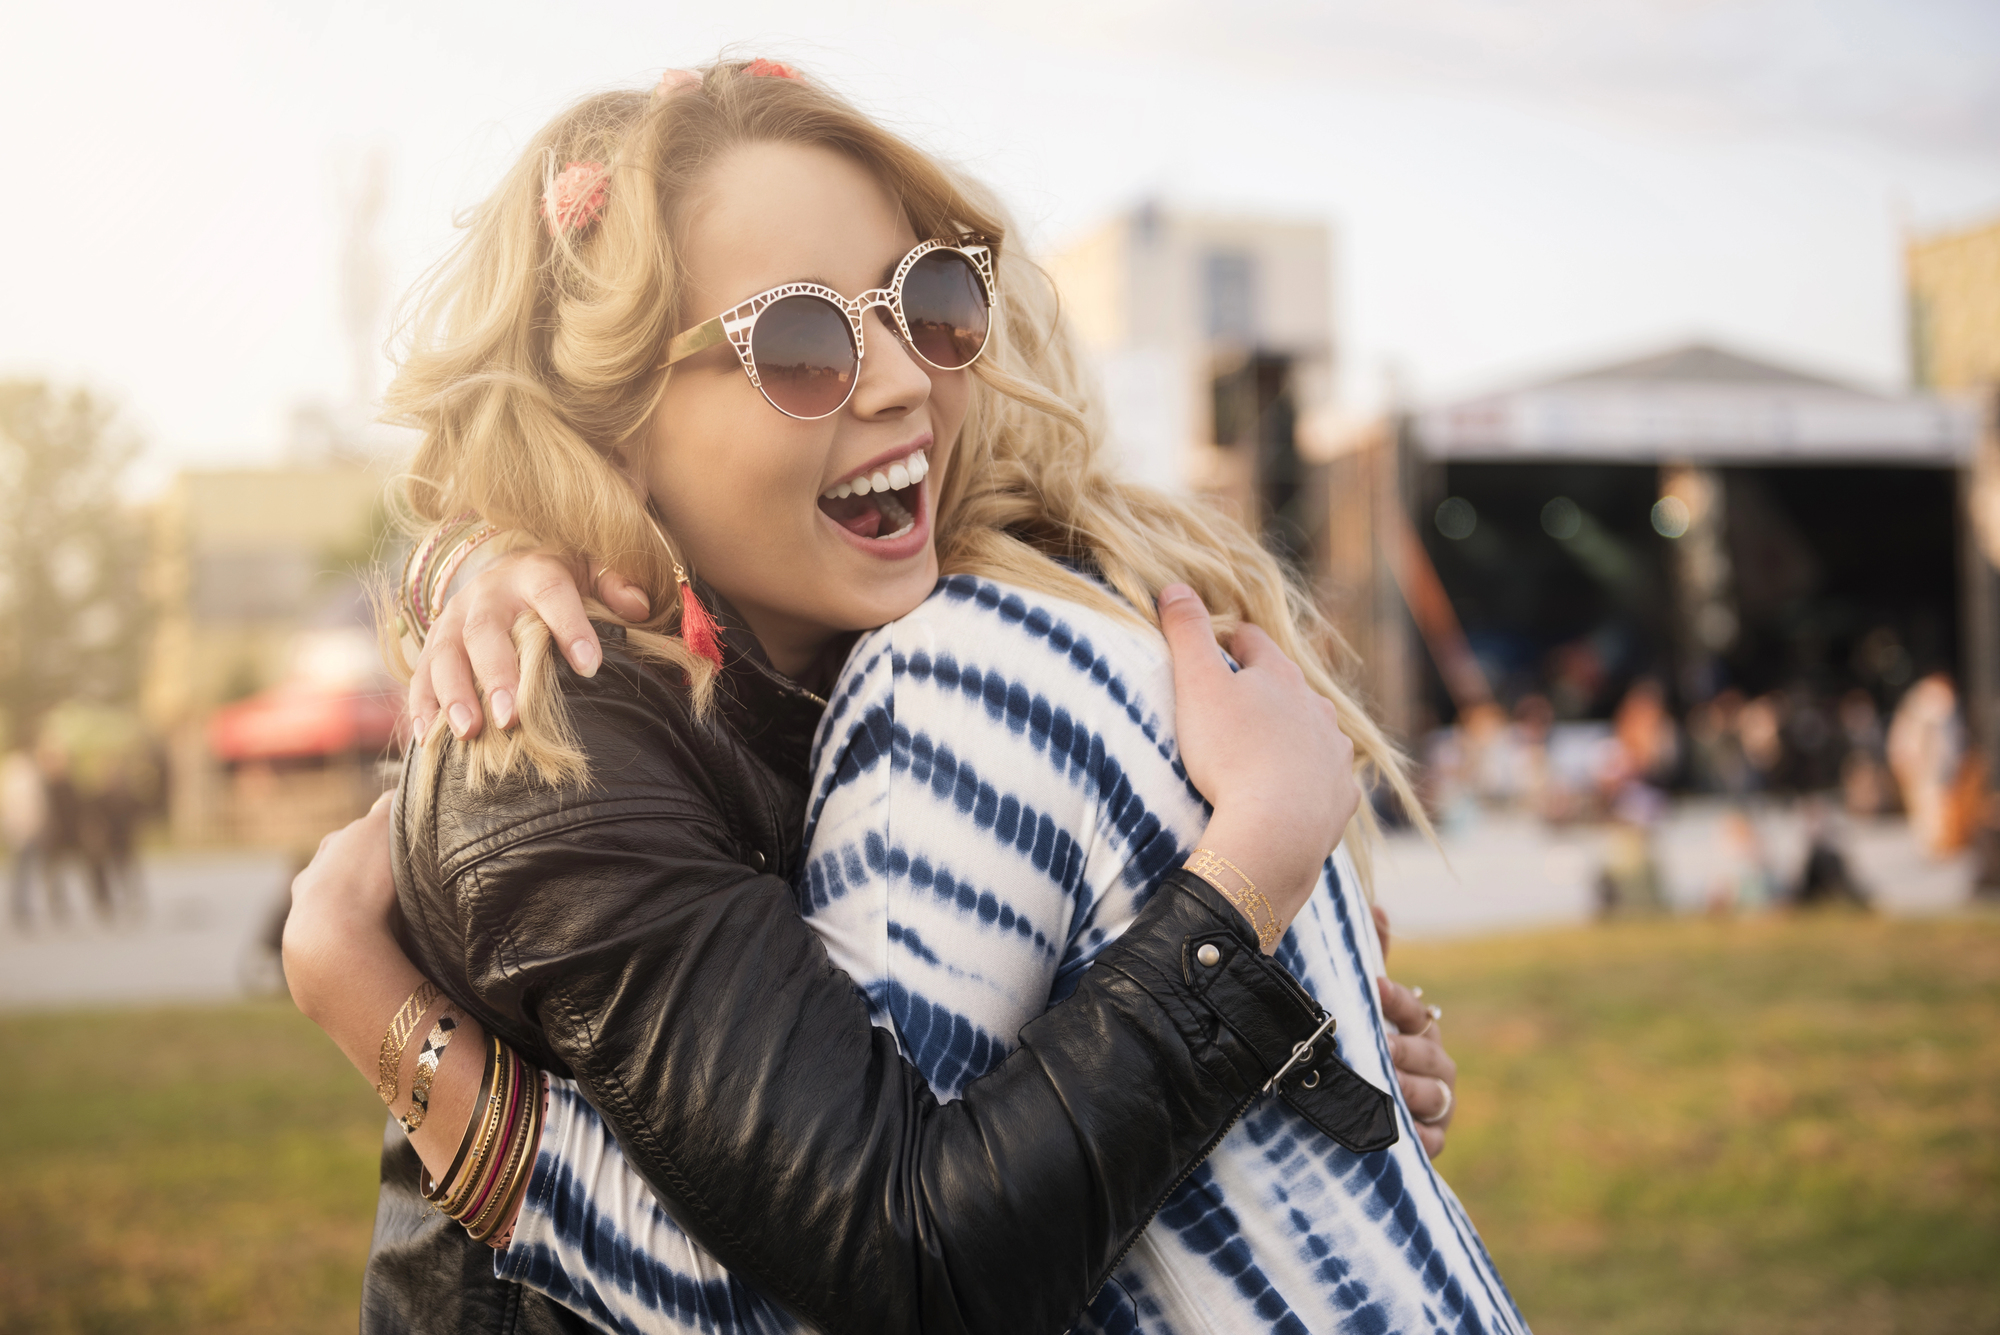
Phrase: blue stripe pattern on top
[996,788]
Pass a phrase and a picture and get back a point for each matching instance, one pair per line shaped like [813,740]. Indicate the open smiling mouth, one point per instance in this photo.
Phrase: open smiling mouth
[883,504]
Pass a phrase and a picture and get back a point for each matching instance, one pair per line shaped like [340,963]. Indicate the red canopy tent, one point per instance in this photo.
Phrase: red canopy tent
[301,719]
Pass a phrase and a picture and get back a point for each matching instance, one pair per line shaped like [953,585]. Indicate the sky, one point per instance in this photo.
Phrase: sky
[1516,187]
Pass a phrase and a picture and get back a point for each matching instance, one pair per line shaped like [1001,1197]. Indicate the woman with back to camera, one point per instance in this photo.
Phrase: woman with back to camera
[586,887]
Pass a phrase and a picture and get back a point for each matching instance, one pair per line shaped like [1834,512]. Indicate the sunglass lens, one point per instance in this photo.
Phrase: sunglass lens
[944,304]
[804,351]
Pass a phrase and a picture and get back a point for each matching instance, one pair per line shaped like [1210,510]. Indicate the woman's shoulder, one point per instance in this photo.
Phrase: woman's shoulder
[623,743]
[1022,651]
[1032,628]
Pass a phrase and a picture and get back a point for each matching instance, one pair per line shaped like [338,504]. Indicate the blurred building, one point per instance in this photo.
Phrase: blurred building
[1213,337]
[264,677]
[1954,284]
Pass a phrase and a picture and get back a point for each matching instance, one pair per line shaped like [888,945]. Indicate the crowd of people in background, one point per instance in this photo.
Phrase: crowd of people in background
[65,832]
[1832,756]
[70,822]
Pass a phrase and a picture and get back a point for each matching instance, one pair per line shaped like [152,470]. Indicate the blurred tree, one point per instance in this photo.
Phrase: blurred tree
[72,606]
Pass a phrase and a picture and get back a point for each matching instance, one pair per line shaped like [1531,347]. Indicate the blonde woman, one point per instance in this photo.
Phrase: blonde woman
[596,882]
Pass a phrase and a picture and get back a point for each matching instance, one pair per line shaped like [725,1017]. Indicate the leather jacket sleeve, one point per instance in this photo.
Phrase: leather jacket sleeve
[617,935]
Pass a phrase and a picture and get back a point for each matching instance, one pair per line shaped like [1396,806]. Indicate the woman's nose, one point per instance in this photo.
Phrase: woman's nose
[892,382]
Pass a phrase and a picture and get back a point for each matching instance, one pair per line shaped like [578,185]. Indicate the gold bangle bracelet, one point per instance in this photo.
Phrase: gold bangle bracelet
[478,1212]
[479,1172]
[459,1194]
[519,1147]
[389,1062]
[485,1203]
[435,1191]
[1212,867]
[497,1231]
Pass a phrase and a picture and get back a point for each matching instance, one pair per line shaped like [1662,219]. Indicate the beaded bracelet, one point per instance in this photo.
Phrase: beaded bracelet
[447,566]
[1212,867]
[428,569]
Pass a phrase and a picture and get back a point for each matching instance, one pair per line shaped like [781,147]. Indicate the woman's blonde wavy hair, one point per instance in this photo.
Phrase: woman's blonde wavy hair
[531,359]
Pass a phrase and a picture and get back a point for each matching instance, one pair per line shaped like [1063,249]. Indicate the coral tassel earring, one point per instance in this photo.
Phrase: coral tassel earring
[697,627]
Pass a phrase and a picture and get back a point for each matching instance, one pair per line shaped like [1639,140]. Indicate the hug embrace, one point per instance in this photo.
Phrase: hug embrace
[839,881]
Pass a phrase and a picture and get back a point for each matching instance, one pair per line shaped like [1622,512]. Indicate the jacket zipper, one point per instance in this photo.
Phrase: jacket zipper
[1186,1173]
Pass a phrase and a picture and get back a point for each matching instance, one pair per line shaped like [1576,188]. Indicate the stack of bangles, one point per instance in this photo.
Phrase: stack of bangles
[496,1157]
[1230,882]
[428,570]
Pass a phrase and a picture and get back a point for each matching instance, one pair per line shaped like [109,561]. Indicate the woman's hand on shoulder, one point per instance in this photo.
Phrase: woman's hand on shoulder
[470,648]
[1263,747]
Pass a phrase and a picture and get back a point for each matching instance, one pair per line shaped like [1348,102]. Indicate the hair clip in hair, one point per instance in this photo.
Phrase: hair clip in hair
[575,199]
[675,81]
[761,68]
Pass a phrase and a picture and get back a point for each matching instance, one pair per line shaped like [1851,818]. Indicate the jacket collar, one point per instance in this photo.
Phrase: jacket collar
[773,714]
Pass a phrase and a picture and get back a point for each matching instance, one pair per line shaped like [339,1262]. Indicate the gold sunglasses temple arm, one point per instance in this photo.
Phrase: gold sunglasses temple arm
[698,339]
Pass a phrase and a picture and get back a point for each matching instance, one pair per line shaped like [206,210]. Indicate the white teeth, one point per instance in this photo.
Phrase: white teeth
[905,472]
[895,512]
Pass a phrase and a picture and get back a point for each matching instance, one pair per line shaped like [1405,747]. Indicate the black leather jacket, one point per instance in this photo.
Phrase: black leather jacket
[641,936]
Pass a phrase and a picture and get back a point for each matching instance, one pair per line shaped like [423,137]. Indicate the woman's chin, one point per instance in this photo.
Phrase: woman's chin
[880,595]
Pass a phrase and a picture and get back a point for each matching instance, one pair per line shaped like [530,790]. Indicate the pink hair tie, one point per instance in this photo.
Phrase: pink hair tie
[761,68]
[575,199]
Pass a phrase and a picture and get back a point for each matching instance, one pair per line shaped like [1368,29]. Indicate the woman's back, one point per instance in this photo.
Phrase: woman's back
[1032,739]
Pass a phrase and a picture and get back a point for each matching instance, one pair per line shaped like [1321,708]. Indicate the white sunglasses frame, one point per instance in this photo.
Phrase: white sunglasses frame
[736,325]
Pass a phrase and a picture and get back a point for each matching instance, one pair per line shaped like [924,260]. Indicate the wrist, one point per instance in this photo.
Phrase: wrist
[1269,857]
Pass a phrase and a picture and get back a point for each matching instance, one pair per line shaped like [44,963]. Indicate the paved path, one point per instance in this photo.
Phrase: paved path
[204,910]
[1511,873]
[1506,873]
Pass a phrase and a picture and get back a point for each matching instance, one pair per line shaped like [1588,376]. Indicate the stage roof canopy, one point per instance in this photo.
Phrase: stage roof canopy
[1700,404]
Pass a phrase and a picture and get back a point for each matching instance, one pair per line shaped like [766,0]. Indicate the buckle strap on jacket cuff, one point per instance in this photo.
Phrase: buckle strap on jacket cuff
[1253,996]
[1285,1030]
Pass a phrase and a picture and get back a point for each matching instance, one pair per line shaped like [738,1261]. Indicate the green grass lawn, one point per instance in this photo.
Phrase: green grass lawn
[1773,1126]
[1759,1126]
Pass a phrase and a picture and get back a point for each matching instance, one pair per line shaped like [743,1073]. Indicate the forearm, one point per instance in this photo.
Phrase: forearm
[371,978]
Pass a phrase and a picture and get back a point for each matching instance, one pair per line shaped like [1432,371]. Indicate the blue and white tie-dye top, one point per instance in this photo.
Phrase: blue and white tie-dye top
[996,788]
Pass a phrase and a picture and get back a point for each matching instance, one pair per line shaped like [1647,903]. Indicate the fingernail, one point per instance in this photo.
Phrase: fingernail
[583,654]
[1416,991]
[1175,593]
[503,709]
[461,719]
